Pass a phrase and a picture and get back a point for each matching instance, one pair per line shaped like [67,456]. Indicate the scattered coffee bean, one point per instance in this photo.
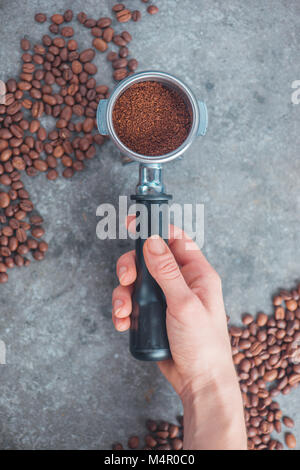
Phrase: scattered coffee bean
[290,440]
[133,442]
[152,9]
[40,18]
[136,15]
[123,16]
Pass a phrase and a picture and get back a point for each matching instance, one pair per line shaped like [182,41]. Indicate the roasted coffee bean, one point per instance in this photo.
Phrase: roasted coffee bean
[87,55]
[81,17]
[67,31]
[136,15]
[133,442]
[132,64]
[100,44]
[25,44]
[117,446]
[111,56]
[68,16]
[120,74]
[119,41]
[123,52]
[126,36]
[288,422]
[108,34]
[119,63]
[290,440]
[53,28]
[90,68]
[118,7]
[104,22]
[3,277]
[57,19]
[123,16]
[152,9]
[40,18]
[4,200]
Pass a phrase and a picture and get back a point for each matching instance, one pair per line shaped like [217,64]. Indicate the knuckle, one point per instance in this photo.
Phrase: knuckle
[190,302]
[168,269]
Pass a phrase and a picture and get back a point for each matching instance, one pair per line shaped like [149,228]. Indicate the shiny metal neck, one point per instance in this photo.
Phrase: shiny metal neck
[150,180]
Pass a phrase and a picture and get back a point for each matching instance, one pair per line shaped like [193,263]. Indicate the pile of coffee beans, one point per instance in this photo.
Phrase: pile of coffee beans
[266,353]
[161,435]
[56,79]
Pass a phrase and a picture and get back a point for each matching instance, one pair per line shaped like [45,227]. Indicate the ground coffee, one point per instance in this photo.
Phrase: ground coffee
[151,119]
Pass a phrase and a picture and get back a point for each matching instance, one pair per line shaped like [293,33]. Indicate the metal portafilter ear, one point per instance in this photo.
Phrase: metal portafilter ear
[148,335]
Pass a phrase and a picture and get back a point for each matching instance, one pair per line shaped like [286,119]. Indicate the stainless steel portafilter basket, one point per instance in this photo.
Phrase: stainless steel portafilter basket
[148,336]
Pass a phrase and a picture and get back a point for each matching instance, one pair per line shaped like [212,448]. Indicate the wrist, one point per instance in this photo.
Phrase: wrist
[213,413]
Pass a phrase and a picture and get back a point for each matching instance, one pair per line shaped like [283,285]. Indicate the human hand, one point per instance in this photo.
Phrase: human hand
[201,370]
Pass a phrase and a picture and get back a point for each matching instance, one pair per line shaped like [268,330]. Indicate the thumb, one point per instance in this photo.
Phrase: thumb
[164,269]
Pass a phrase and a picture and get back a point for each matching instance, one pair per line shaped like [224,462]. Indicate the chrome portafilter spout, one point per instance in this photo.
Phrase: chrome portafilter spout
[148,335]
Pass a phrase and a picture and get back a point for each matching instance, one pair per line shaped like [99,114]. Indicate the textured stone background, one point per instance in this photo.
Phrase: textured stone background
[69,381]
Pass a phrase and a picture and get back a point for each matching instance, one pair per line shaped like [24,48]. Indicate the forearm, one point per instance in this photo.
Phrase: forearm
[214,417]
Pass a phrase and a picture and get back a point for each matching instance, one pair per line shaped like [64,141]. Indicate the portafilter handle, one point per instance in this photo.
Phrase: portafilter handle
[148,334]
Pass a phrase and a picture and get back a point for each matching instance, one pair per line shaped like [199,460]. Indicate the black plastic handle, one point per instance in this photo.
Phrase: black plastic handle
[148,334]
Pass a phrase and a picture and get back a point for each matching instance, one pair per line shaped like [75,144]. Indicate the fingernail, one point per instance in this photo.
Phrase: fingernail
[122,272]
[120,325]
[118,304]
[156,245]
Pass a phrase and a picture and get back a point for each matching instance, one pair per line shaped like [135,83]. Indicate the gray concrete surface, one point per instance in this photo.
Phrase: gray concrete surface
[69,381]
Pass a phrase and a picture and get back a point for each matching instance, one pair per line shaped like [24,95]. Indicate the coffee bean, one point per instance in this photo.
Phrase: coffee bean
[150,441]
[53,28]
[291,305]
[68,16]
[108,34]
[87,55]
[3,277]
[133,442]
[100,44]
[290,440]
[104,22]
[111,56]
[123,16]
[262,319]
[4,200]
[119,63]
[120,74]
[126,36]
[81,17]
[57,19]
[25,45]
[40,18]
[132,64]
[119,41]
[123,52]
[67,31]
[177,444]
[136,15]
[117,446]
[152,10]
[68,173]
[38,255]
[118,7]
